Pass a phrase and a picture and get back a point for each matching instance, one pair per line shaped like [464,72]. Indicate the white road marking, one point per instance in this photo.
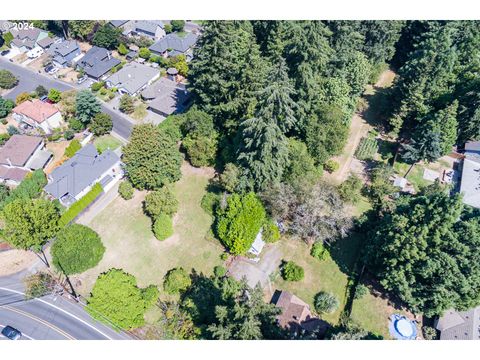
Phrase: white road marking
[64,311]
[23,334]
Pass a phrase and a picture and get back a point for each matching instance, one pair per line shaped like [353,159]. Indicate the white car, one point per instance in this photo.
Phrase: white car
[35,52]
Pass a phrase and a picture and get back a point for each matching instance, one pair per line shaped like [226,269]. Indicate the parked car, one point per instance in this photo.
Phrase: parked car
[35,52]
[50,69]
[82,79]
[11,333]
[5,52]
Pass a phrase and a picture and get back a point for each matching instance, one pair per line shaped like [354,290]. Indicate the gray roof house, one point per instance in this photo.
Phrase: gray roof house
[132,78]
[27,39]
[118,23]
[97,62]
[459,325]
[173,45]
[65,53]
[153,29]
[470,182]
[75,177]
[168,97]
[21,154]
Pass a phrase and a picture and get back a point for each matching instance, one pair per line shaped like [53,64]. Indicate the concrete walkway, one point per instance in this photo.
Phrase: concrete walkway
[98,206]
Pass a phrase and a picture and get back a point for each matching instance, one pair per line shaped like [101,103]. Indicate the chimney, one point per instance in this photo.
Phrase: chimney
[9,162]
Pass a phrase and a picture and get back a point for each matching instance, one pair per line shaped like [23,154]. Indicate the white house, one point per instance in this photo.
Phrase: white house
[38,114]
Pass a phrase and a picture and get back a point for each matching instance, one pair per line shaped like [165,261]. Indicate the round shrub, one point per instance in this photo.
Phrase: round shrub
[360,291]
[68,134]
[219,271]
[326,303]
[429,333]
[163,227]
[331,166]
[292,271]
[161,201]
[319,251]
[270,233]
[77,249]
[125,189]
[176,280]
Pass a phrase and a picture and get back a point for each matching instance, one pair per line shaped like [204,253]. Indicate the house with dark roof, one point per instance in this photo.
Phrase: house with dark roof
[65,53]
[296,316]
[97,62]
[459,325]
[20,155]
[133,78]
[174,44]
[166,97]
[38,114]
[27,39]
[76,177]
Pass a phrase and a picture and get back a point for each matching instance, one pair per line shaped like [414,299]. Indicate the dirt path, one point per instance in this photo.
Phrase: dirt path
[358,129]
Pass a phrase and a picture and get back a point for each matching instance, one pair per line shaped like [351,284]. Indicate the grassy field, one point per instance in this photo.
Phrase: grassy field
[328,275]
[130,244]
[105,142]
[372,313]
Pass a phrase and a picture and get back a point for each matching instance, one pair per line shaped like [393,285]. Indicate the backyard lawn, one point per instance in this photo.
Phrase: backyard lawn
[105,142]
[130,244]
[328,275]
[372,314]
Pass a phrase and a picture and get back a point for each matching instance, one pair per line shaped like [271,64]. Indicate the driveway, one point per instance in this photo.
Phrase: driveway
[257,272]
[98,206]
[29,80]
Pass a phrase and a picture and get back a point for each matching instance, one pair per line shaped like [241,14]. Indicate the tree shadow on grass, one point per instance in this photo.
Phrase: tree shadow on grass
[379,107]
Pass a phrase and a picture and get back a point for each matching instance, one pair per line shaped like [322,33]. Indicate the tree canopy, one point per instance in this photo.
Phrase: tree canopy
[116,299]
[29,223]
[426,252]
[151,158]
[239,223]
[76,249]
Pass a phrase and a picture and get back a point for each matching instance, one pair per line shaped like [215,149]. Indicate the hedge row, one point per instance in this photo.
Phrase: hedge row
[80,205]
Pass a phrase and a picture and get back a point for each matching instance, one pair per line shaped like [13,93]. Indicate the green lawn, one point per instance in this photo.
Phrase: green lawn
[415,176]
[328,275]
[130,244]
[372,313]
[105,142]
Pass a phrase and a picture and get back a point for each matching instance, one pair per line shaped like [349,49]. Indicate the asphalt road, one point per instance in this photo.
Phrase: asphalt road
[49,317]
[29,80]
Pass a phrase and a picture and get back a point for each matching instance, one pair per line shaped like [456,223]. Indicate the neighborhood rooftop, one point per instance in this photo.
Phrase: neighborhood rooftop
[175,42]
[97,62]
[76,174]
[18,149]
[460,325]
[36,110]
[167,94]
[133,77]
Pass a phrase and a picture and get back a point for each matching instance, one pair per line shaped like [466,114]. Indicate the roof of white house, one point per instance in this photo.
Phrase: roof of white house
[257,245]
[470,183]
[133,77]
